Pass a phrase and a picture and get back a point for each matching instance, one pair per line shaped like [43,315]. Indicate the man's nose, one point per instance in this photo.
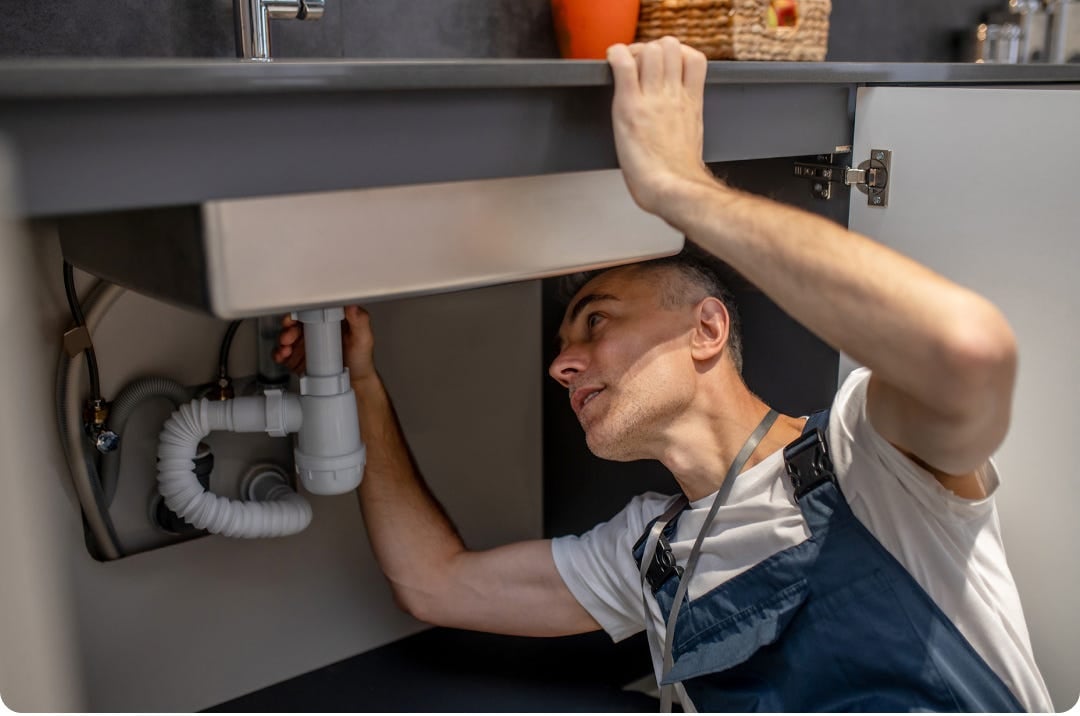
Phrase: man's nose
[566,365]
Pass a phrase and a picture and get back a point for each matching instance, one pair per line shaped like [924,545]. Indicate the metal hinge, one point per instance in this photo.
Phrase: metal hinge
[871,177]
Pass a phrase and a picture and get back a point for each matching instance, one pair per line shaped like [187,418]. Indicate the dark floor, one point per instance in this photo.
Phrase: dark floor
[445,670]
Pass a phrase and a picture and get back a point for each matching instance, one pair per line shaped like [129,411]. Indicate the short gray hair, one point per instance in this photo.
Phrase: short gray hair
[698,274]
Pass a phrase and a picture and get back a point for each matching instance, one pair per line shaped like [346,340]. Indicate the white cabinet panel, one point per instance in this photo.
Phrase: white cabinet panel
[982,190]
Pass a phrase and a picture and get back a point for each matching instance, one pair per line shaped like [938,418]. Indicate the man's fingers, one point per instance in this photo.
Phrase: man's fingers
[357,316]
[287,355]
[294,361]
[290,335]
[673,61]
[287,349]
[651,66]
[695,67]
[290,347]
[624,68]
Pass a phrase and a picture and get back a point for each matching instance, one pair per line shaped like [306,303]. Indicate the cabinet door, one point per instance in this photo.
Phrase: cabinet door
[982,190]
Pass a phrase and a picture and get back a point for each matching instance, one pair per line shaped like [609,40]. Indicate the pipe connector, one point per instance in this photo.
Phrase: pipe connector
[275,412]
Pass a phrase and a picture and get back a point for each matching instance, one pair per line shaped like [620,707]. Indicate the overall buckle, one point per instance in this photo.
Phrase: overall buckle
[663,565]
[808,462]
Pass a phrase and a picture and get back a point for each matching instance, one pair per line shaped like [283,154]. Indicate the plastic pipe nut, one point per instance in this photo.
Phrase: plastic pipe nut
[329,454]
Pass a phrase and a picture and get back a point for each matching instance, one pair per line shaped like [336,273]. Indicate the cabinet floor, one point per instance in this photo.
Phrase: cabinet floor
[446,670]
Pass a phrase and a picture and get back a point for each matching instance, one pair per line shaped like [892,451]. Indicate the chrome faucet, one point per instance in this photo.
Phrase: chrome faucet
[253,22]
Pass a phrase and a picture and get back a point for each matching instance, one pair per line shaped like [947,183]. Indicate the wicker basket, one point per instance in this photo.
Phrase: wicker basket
[738,29]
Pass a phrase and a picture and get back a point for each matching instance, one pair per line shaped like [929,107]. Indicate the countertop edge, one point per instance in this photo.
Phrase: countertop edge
[39,79]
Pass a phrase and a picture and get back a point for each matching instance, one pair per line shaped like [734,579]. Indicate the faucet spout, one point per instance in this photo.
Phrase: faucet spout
[252,21]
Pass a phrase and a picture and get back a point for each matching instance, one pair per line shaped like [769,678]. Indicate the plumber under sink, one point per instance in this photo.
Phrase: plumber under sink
[406,361]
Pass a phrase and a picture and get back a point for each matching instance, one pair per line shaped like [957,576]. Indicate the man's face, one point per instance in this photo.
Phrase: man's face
[626,363]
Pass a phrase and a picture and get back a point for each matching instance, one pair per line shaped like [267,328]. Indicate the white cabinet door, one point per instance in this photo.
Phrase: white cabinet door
[982,189]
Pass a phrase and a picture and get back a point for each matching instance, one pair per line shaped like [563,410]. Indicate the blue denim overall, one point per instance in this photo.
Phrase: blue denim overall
[832,624]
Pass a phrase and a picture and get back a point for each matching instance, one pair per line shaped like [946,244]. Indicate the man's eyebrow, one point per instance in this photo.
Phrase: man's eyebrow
[576,311]
[586,300]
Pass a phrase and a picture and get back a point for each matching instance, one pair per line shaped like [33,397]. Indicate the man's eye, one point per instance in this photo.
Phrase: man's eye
[592,320]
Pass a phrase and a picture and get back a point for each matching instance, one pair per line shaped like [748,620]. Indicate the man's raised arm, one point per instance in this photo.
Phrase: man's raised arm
[943,358]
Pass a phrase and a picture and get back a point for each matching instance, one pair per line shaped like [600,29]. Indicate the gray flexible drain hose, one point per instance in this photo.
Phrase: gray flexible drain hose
[133,394]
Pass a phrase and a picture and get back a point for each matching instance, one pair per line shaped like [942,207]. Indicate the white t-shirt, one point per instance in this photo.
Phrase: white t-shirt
[952,546]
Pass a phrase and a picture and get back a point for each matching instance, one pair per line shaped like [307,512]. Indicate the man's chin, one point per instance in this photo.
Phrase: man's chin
[607,449]
[596,445]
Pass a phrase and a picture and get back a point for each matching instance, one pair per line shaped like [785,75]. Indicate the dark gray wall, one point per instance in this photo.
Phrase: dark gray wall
[863,30]
[904,30]
[350,28]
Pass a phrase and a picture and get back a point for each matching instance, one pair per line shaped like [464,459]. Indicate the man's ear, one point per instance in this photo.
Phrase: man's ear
[710,330]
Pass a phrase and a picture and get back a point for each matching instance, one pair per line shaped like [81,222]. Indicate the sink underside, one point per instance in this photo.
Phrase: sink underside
[248,257]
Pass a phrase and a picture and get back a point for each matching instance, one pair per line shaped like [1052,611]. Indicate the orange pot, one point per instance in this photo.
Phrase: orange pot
[586,28]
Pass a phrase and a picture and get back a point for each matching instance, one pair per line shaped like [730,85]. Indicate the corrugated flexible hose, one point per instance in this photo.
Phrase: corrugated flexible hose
[285,513]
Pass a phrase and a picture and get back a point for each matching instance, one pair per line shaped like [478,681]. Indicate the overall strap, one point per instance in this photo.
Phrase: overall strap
[661,561]
[809,466]
[818,420]
[807,457]
[666,692]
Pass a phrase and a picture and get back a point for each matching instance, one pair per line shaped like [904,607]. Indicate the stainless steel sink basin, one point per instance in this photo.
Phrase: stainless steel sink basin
[244,257]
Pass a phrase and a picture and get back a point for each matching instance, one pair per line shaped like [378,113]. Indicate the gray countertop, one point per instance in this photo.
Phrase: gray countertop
[41,79]
[102,135]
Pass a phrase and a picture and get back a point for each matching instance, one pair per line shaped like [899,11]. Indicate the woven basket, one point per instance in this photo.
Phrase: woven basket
[738,29]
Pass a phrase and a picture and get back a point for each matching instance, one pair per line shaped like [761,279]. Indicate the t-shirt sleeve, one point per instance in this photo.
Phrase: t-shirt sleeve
[598,567]
[871,458]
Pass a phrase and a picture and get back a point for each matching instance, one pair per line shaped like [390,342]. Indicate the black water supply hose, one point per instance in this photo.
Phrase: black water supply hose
[82,463]
[80,322]
[225,390]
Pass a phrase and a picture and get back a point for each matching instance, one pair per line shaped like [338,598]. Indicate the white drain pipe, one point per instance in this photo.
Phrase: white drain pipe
[329,453]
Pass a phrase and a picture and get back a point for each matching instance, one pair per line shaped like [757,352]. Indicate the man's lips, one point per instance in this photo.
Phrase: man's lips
[581,396]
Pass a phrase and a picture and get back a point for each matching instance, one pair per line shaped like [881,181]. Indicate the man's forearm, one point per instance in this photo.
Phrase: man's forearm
[919,332]
[410,533]
[513,589]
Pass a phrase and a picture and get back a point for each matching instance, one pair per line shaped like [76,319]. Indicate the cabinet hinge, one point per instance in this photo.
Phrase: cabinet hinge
[870,177]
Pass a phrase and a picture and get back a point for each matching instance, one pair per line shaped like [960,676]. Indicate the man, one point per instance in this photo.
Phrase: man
[874,580]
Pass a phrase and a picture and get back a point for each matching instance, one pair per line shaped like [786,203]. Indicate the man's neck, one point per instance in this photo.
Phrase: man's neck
[704,442]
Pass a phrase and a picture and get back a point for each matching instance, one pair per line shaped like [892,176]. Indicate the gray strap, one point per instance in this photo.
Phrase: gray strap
[721,495]
[655,531]
[675,508]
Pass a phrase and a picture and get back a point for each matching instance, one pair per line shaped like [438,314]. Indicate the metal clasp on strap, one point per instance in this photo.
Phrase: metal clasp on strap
[663,565]
[808,462]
